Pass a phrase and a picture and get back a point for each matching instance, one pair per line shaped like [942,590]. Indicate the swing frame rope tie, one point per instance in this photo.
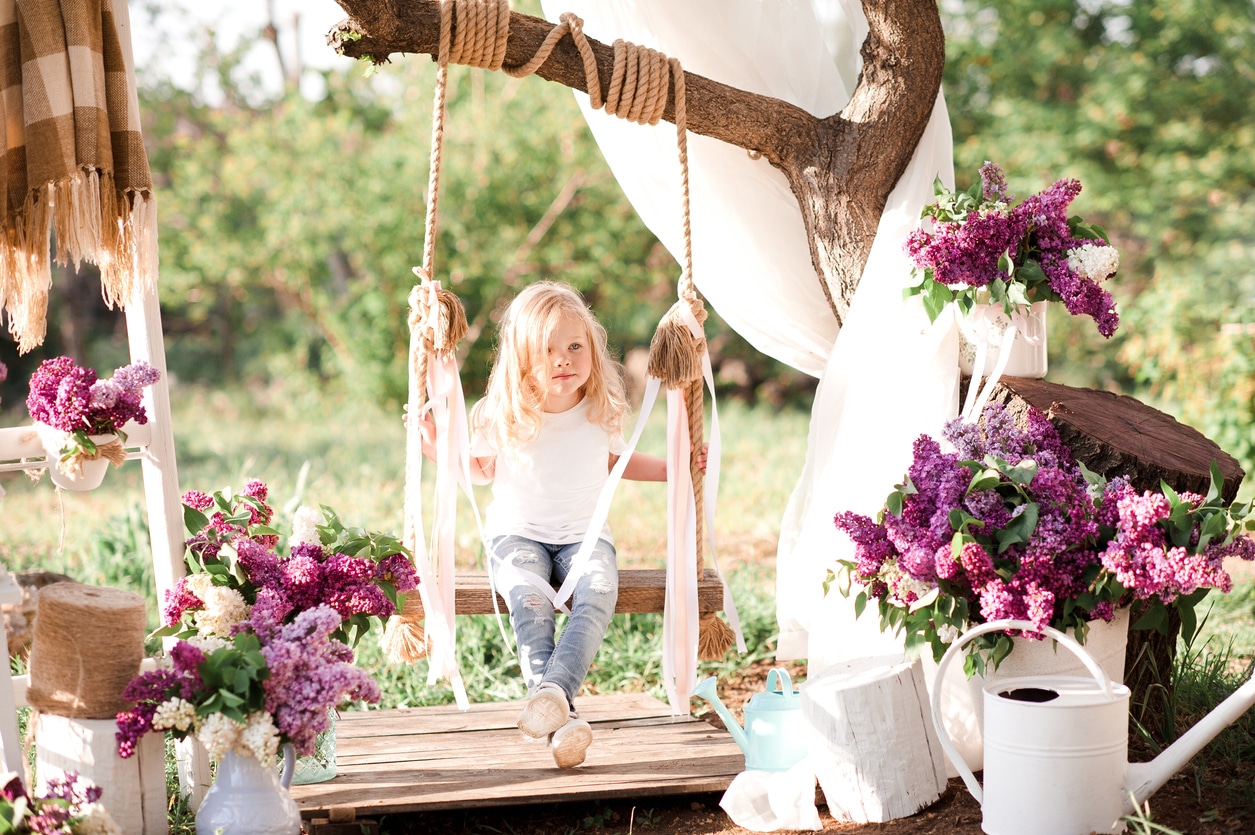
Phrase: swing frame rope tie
[437,323]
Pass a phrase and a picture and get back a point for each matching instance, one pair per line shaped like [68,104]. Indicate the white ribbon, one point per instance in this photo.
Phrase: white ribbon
[438,577]
[979,328]
[680,620]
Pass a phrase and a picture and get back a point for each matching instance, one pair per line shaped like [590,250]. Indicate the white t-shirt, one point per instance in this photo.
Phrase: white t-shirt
[546,488]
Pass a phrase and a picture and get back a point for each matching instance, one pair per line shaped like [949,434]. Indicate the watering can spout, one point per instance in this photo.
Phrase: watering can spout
[1144,779]
[706,690]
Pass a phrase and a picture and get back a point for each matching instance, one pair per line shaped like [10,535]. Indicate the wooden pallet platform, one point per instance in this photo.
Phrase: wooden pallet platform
[427,759]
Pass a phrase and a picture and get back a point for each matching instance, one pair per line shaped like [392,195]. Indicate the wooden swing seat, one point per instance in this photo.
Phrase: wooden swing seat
[640,590]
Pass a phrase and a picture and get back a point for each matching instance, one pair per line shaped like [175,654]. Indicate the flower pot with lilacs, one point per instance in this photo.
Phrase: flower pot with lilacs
[996,521]
[979,246]
[80,417]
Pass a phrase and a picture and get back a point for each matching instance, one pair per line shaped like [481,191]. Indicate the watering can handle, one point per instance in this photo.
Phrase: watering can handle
[947,745]
[774,677]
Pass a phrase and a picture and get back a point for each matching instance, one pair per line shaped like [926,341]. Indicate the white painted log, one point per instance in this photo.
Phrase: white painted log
[874,750]
[134,789]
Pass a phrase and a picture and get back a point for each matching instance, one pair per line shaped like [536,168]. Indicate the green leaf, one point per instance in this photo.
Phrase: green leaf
[1001,650]
[194,520]
[860,603]
[936,297]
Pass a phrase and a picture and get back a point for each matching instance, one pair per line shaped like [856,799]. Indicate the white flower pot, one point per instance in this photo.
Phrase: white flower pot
[89,472]
[963,705]
[989,323]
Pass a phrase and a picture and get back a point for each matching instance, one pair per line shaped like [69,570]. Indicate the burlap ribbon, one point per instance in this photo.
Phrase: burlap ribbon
[73,159]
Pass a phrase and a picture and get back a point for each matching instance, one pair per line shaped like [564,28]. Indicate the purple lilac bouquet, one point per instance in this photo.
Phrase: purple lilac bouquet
[272,684]
[72,400]
[266,627]
[234,563]
[69,804]
[980,248]
[1005,523]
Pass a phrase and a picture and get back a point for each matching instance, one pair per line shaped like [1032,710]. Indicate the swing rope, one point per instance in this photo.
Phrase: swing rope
[475,33]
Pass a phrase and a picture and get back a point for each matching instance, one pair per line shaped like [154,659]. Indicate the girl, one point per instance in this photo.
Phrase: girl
[546,434]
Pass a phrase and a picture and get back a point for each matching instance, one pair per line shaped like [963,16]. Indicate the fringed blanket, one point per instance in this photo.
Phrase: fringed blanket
[72,165]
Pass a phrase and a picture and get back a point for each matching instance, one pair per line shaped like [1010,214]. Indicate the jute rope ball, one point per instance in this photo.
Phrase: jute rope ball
[87,645]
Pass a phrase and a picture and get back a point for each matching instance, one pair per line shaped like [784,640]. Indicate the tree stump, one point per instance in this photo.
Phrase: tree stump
[1116,435]
[875,750]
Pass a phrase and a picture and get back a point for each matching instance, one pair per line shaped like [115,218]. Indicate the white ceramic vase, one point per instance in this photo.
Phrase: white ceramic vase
[248,799]
[963,706]
[989,323]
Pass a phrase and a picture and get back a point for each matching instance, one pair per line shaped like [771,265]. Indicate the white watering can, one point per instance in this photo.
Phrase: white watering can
[1056,747]
[775,737]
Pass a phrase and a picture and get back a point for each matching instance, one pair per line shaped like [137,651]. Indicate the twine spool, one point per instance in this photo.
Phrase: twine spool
[87,645]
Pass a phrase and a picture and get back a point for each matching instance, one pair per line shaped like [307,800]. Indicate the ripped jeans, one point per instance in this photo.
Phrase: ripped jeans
[566,662]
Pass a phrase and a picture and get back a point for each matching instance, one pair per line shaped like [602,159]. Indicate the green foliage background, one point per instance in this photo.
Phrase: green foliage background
[290,222]
[1151,105]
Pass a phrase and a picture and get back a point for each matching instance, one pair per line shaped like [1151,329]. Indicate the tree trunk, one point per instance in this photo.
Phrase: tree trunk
[841,167]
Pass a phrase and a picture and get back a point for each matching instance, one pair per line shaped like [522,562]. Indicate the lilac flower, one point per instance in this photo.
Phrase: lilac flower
[969,243]
[399,571]
[994,183]
[198,500]
[179,600]
[309,672]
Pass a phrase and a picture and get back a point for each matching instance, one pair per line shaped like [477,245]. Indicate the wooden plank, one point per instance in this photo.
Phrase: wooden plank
[486,716]
[426,759]
[640,590]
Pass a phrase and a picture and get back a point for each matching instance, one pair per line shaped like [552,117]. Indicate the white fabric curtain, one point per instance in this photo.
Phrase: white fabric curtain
[888,375]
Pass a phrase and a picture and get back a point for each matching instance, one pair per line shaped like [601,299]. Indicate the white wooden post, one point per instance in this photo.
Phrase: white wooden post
[161,490]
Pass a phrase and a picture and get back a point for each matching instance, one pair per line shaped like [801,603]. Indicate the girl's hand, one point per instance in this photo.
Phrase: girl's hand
[426,432]
[701,457]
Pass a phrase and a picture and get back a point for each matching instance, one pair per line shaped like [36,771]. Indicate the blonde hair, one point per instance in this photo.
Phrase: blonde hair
[514,401]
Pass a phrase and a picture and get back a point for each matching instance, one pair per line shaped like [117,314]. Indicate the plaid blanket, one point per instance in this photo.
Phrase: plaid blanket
[72,164]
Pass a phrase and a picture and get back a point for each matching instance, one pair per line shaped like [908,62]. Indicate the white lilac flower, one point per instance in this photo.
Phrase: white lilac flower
[1094,262]
[208,643]
[199,584]
[224,608]
[175,713]
[218,734]
[947,633]
[260,739]
[305,527]
[95,820]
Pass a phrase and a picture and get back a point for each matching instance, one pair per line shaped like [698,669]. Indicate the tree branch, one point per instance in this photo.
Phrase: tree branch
[841,168]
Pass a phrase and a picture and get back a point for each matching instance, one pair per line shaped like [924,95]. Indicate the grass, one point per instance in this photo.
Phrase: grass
[325,450]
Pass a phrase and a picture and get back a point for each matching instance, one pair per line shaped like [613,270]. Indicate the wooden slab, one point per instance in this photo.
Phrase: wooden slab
[640,590]
[431,758]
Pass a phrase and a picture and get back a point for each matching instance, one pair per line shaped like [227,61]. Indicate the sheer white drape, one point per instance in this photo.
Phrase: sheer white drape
[888,375]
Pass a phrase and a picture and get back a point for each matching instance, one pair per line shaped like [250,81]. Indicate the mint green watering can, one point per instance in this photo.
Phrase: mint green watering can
[775,734]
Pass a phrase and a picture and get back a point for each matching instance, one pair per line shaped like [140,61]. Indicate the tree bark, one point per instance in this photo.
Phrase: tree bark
[841,167]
